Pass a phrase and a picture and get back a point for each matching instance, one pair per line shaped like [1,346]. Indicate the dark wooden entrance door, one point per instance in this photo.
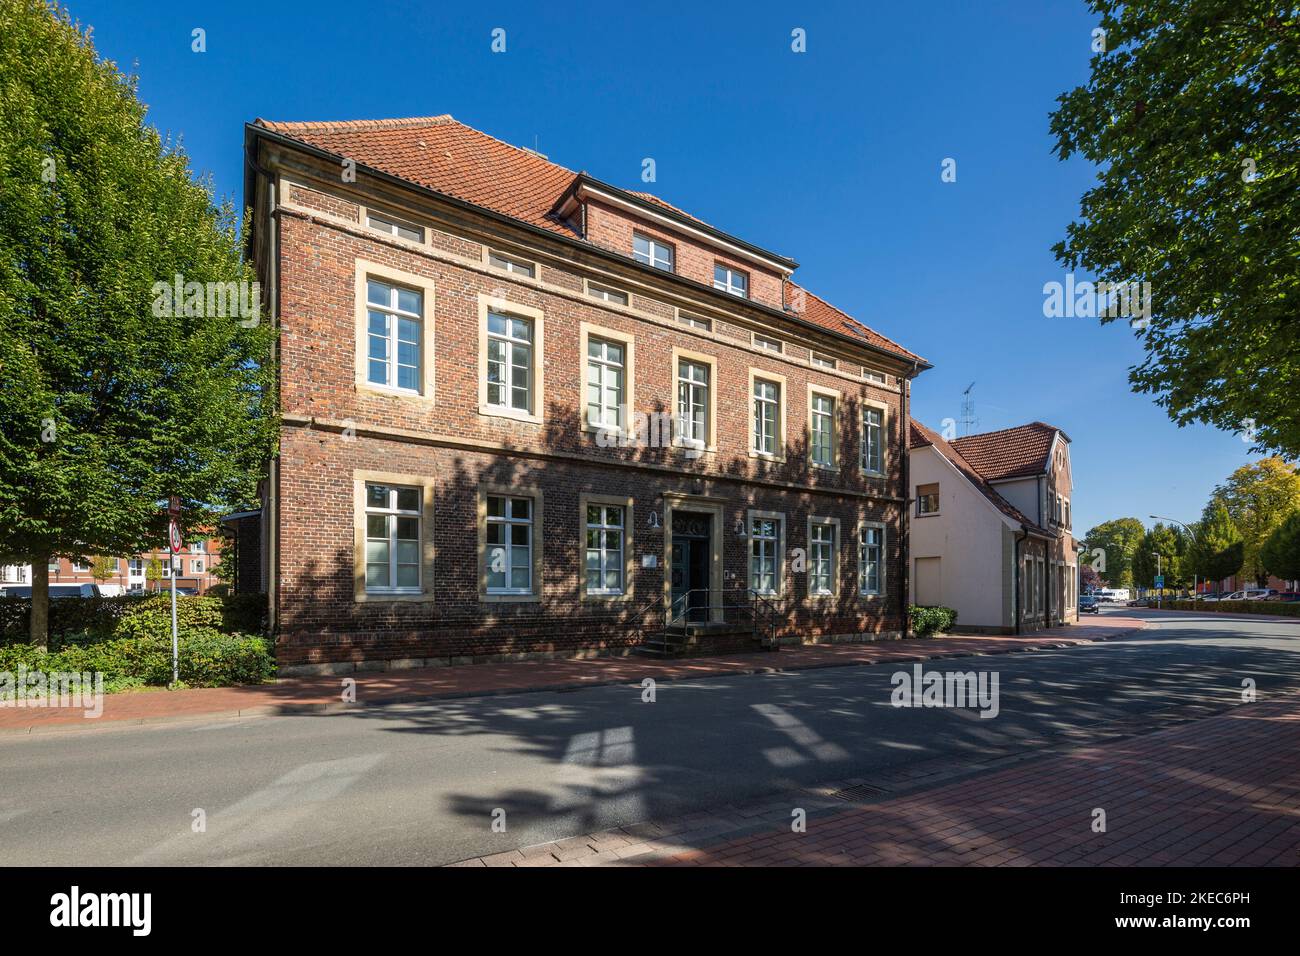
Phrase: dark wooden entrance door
[690,567]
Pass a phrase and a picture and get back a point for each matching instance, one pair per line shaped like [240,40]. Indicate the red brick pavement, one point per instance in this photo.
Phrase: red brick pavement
[1221,791]
[323,694]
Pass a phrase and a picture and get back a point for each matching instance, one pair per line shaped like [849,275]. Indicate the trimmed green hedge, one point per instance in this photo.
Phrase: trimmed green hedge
[102,619]
[1280,608]
[207,659]
[932,620]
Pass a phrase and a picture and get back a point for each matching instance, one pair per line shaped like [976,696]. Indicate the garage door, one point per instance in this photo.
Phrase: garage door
[929,581]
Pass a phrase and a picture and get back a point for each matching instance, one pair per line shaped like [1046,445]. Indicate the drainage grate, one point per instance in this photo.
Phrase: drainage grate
[863,791]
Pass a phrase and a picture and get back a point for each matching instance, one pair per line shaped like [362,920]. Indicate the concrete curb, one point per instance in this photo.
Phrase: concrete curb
[339,707]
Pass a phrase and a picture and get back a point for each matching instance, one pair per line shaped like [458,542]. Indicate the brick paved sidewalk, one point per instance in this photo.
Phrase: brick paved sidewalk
[1221,791]
[323,694]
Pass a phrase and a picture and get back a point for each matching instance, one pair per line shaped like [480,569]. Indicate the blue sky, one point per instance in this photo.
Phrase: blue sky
[832,157]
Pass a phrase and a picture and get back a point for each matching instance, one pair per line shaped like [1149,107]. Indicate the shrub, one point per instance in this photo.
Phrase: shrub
[927,621]
[207,659]
[1279,608]
[100,619]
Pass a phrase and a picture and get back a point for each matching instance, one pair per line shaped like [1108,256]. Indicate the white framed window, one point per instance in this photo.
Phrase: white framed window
[730,280]
[927,499]
[768,344]
[1067,513]
[871,559]
[135,568]
[821,427]
[606,293]
[199,547]
[825,361]
[509,362]
[166,566]
[606,378]
[767,416]
[80,567]
[605,549]
[871,375]
[393,516]
[694,321]
[394,319]
[395,227]
[652,252]
[509,545]
[821,556]
[693,402]
[499,260]
[873,440]
[196,566]
[765,554]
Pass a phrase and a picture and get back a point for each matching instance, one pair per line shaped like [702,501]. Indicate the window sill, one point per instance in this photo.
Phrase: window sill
[508,598]
[871,473]
[603,596]
[386,597]
[929,514]
[393,392]
[496,411]
[766,456]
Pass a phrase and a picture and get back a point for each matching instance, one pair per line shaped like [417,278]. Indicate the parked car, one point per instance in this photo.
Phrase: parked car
[188,592]
[56,591]
[1283,596]
[1088,604]
[1259,594]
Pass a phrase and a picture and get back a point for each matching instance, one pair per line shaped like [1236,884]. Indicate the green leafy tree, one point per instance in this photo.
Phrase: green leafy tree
[114,397]
[1216,552]
[1259,496]
[153,570]
[1118,539]
[103,568]
[1171,544]
[1192,115]
[1281,551]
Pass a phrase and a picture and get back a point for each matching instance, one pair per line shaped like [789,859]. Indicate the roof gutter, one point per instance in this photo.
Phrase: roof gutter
[583,245]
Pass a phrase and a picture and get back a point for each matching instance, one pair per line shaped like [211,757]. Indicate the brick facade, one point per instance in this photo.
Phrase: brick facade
[338,432]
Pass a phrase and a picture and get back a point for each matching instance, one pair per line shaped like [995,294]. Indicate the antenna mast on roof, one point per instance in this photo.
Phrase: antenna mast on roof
[967,411]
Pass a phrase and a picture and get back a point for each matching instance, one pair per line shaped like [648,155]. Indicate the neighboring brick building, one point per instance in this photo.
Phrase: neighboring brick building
[992,527]
[465,331]
[198,563]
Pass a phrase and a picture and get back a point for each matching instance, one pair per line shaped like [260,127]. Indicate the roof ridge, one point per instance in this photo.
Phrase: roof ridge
[335,126]
[1010,428]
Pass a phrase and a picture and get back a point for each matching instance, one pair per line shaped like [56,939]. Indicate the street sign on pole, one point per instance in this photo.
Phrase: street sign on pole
[174,539]
[1160,580]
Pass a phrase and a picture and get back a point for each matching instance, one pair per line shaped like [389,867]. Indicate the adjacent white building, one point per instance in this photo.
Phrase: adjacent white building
[990,527]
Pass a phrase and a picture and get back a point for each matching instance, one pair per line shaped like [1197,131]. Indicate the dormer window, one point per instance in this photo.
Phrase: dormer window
[730,280]
[652,252]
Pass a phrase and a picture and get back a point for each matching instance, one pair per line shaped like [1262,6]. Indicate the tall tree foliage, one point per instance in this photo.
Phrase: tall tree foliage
[1259,496]
[1281,551]
[1171,544]
[1119,540]
[1192,115]
[108,408]
[1216,552]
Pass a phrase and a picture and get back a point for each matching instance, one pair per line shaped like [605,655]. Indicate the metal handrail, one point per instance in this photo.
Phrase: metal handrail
[760,607]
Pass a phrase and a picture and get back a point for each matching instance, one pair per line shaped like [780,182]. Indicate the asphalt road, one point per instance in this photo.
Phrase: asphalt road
[421,783]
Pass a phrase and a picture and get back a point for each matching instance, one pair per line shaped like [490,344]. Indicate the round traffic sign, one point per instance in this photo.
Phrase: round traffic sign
[174,535]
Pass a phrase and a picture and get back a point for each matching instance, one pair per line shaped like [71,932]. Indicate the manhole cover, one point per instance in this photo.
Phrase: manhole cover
[863,791]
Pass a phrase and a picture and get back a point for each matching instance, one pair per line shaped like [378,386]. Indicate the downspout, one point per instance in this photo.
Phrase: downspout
[905,545]
[271,509]
[1016,589]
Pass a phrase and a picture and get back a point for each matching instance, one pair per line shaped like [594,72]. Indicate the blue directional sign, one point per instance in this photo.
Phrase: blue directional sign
[1160,580]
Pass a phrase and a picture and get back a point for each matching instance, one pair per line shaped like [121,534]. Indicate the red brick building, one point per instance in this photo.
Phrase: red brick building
[529,413]
[198,563]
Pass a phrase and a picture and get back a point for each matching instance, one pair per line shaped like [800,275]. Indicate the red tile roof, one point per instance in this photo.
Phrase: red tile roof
[449,157]
[817,310]
[921,437]
[1010,452]
[441,154]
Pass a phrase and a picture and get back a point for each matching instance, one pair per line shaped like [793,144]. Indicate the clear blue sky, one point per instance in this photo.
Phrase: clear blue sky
[831,157]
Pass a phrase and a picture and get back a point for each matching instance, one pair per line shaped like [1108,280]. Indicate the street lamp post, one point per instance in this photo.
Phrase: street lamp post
[1161,592]
[1195,538]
